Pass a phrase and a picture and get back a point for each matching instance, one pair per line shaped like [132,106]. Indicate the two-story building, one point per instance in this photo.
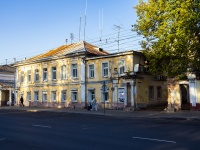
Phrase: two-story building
[72,75]
[120,80]
[55,78]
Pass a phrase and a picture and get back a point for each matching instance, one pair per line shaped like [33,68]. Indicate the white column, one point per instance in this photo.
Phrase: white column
[192,91]
[82,75]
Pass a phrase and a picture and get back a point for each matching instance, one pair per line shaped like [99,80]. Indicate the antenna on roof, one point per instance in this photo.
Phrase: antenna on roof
[101,23]
[6,61]
[71,37]
[118,27]
[80,27]
[66,41]
[85,19]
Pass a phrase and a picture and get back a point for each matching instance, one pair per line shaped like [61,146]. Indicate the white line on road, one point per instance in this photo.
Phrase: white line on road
[2,139]
[154,139]
[37,125]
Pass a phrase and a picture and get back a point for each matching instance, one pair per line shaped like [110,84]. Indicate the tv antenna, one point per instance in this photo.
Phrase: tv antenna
[71,37]
[118,28]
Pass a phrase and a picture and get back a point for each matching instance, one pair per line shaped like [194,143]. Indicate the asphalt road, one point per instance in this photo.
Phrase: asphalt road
[22,130]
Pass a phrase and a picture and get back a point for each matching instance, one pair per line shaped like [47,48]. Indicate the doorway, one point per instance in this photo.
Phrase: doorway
[185,101]
[128,87]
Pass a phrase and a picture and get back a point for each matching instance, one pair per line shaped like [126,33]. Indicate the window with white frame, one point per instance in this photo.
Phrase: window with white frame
[159,92]
[53,73]
[91,71]
[121,65]
[28,96]
[151,92]
[74,95]
[29,76]
[104,93]
[36,75]
[91,95]
[105,69]
[53,96]
[63,72]
[44,96]
[22,76]
[44,74]
[74,70]
[63,95]
[36,96]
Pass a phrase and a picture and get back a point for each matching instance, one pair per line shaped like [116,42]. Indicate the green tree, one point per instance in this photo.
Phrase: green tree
[171,31]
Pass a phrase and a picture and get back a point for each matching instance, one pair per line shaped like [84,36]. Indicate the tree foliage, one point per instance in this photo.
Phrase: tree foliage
[171,31]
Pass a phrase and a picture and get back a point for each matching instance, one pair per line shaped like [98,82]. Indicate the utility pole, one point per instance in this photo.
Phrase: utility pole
[118,28]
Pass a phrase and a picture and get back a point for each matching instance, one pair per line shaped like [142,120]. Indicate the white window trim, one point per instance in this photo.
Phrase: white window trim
[36,100]
[61,72]
[22,76]
[44,92]
[52,73]
[120,66]
[62,96]
[37,73]
[102,72]
[72,95]
[53,100]
[46,74]
[28,73]
[76,70]
[28,95]
[89,70]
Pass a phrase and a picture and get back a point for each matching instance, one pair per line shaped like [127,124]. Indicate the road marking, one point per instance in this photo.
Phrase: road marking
[154,139]
[2,139]
[37,125]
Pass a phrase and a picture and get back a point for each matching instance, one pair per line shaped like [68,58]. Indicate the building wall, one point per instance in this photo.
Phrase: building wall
[174,94]
[143,91]
[50,85]
[115,91]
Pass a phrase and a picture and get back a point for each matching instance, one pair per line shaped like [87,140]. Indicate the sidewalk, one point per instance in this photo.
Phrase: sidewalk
[180,115]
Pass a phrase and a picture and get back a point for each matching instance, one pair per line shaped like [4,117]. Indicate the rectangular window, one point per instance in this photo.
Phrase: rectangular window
[28,97]
[53,96]
[151,92]
[22,76]
[121,65]
[36,75]
[53,73]
[44,96]
[91,71]
[74,71]
[29,76]
[74,95]
[64,95]
[44,74]
[63,72]
[36,96]
[105,69]
[91,95]
[159,92]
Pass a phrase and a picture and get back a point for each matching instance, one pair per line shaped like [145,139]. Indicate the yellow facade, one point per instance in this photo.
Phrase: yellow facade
[67,77]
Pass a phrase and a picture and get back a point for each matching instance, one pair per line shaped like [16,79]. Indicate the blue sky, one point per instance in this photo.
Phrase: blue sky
[30,27]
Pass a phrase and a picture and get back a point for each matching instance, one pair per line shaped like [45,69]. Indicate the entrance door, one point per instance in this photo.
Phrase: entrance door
[128,95]
[185,101]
